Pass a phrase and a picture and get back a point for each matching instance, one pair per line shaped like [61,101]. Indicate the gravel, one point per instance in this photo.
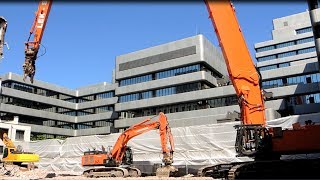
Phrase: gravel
[15,172]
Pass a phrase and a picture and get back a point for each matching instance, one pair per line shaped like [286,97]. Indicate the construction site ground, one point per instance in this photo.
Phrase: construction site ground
[16,172]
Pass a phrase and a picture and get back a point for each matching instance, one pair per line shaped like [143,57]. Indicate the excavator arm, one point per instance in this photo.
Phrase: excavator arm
[162,124]
[241,69]
[3,27]
[37,30]
[244,76]
[7,141]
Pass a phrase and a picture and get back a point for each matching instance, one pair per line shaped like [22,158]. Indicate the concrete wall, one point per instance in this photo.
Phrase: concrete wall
[13,126]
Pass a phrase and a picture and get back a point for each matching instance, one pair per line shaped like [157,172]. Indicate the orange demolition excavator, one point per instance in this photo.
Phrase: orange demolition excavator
[265,145]
[117,162]
[37,30]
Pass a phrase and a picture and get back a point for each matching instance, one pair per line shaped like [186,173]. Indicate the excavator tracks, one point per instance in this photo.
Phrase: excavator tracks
[106,172]
[112,172]
[273,169]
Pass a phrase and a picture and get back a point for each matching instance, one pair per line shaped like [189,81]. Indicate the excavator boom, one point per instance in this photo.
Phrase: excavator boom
[265,145]
[121,154]
[37,30]
[241,69]
[7,141]
[3,27]
[135,130]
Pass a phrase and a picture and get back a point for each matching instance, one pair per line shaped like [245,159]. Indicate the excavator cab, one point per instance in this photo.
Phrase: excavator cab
[128,156]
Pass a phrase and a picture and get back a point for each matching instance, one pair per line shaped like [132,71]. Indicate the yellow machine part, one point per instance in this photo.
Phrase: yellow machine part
[21,157]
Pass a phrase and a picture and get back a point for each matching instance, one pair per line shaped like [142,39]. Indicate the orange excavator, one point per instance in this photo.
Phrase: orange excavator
[265,145]
[37,30]
[117,162]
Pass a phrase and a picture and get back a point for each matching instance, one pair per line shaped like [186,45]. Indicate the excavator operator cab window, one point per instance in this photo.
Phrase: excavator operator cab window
[5,152]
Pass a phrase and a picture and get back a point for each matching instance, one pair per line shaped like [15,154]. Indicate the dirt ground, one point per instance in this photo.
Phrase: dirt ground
[15,172]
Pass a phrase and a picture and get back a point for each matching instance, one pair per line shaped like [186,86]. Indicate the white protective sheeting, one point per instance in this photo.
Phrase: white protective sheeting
[194,146]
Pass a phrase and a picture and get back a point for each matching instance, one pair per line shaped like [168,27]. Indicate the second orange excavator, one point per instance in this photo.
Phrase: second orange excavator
[117,162]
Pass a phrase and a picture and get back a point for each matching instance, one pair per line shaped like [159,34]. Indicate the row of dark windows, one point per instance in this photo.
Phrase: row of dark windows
[304,30]
[285,44]
[56,123]
[160,92]
[304,99]
[50,108]
[286,54]
[182,107]
[310,78]
[56,95]
[160,75]
[275,66]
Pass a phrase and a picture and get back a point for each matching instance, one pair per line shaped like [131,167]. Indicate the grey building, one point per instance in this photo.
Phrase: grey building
[58,112]
[185,79]
[288,65]
[179,78]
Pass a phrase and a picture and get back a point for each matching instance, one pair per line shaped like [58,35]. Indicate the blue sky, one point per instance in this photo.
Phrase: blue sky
[83,39]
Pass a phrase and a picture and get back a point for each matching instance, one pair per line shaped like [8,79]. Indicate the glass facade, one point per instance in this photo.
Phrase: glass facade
[135,80]
[160,92]
[178,71]
[285,44]
[182,107]
[310,78]
[287,54]
[275,66]
[160,75]
[266,48]
[304,99]
[56,95]
[304,30]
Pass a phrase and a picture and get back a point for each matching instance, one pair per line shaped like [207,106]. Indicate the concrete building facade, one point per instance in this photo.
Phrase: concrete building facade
[185,79]
[58,112]
[288,64]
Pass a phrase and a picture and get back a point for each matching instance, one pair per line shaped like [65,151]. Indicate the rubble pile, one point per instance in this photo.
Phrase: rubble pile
[18,172]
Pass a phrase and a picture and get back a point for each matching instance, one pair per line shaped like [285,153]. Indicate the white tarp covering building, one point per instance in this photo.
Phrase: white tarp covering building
[195,146]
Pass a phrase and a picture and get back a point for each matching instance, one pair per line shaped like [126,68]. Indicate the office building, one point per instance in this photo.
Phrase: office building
[288,64]
[185,79]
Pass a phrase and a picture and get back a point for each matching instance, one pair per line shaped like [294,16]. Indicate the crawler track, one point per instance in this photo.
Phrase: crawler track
[106,172]
[279,169]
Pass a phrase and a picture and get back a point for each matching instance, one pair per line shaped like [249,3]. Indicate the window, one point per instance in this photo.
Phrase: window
[266,58]
[305,40]
[265,68]
[19,135]
[267,48]
[307,50]
[135,80]
[310,78]
[304,30]
[286,54]
[284,65]
[105,95]
[285,44]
